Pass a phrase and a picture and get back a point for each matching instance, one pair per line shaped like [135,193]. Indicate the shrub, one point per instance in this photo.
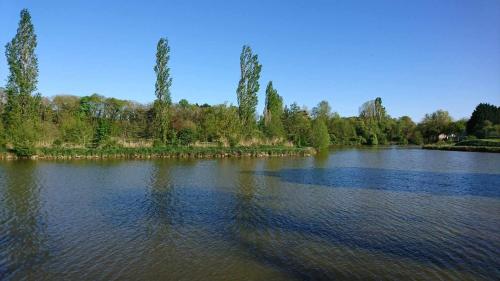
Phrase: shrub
[57,143]
[320,138]
[158,143]
[372,139]
[186,136]
[233,141]
[24,151]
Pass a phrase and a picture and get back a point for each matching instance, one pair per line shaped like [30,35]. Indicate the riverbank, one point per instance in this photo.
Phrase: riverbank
[467,148]
[160,152]
[476,145]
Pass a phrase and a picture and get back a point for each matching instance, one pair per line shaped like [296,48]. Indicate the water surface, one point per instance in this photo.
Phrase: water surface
[356,214]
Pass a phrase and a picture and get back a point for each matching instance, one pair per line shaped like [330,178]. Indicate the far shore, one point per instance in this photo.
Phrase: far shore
[62,153]
[462,148]
[472,145]
[158,152]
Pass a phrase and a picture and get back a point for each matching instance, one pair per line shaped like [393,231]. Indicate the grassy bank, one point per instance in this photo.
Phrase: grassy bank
[478,145]
[160,152]
[480,142]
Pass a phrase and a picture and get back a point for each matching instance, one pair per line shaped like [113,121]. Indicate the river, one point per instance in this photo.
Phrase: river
[352,214]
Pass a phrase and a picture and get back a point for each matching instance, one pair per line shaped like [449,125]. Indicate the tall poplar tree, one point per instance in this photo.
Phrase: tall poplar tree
[21,109]
[161,106]
[273,113]
[248,87]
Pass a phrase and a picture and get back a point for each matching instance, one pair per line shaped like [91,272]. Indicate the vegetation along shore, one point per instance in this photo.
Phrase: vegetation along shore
[35,126]
[158,152]
[479,145]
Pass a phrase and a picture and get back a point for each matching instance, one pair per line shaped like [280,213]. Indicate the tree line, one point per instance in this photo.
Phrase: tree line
[30,120]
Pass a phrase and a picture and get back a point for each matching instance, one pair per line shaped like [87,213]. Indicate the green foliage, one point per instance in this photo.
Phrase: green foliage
[163,79]
[480,142]
[416,138]
[399,130]
[24,135]
[319,137]
[248,87]
[477,124]
[273,113]
[186,136]
[20,114]
[75,130]
[473,148]
[2,135]
[372,139]
[161,117]
[233,141]
[373,110]
[435,124]
[342,130]
[322,111]
[57,143]
[183,103]
[487,130]
[220,123]
[171,152]
[102,133]
[24,150]
[22,60]
[297,123]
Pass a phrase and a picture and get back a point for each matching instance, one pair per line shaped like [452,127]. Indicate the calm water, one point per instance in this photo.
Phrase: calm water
[395,214]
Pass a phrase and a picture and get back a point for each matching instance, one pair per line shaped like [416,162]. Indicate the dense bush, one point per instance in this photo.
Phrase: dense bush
[24,151]
[483,121]
[320,138]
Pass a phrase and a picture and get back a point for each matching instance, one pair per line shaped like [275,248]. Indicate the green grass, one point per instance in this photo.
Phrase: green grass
[476,145]
[170,152]
[470,148]
[480,142]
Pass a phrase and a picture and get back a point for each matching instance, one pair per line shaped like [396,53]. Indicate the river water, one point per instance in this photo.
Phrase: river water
[352,214]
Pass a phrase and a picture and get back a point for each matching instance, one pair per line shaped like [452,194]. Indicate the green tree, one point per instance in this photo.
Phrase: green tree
[163,101]
[297,124]
[373,109]
[342,130]
[407,127]
[186,136]
[20,115]
[487,129]
[220,123]
[183,103]
[320,139]
[248,87]
[3,99]
[102,132]
[375,121]
[322,111]
[75,130]
[459,128]
[435,124]
[372,139]
[416,137]
[273,113]
[483,112]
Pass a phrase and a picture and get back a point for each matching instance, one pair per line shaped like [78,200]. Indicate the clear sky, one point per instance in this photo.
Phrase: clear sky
[419,56]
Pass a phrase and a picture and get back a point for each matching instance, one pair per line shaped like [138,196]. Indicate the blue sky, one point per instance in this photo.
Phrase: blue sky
[419,56]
